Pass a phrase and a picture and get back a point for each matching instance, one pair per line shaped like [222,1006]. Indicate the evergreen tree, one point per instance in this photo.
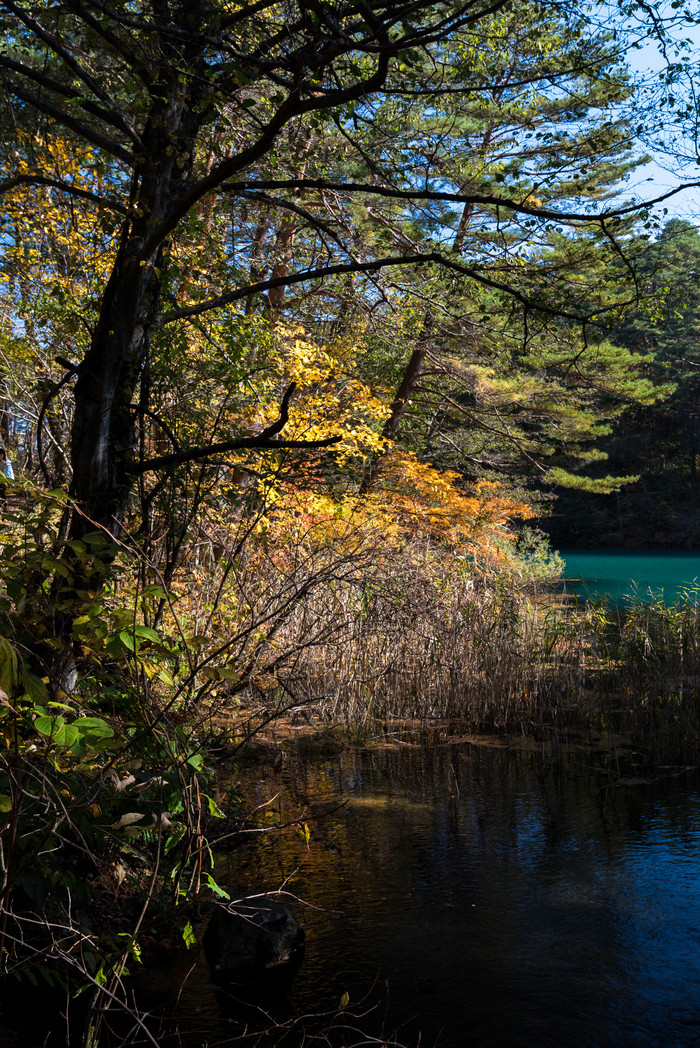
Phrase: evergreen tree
[667,332]
[225,154]
[656,441]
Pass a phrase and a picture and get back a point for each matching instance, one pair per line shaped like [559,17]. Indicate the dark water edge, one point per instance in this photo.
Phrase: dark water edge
[485,898]
[508,898]
[464,896]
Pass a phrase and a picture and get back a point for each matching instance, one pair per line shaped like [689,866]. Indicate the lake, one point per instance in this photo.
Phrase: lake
[466,895]
[620,573]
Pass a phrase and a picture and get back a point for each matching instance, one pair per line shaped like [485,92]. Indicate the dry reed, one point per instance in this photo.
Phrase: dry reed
[366,634]
[426,643]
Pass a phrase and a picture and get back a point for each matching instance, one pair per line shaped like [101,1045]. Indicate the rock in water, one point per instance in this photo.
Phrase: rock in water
[252,937]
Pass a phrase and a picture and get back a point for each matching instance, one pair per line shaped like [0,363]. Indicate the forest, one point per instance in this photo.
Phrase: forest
[319,320]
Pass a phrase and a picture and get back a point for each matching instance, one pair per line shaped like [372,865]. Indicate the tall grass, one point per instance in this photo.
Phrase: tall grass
[366,629]
[654,648]
[427,639]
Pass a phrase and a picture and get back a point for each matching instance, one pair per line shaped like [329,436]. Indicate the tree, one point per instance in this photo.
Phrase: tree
[667,333]
[656,438]
[181,109]
[167,169]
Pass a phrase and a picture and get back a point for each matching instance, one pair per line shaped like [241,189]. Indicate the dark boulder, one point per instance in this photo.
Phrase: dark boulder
[251,938]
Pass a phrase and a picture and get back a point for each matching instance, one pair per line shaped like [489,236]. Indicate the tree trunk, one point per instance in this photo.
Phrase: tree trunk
[283,257]
[104,426]
[53,456]
[289,227]
[400,403]
[257,258]
[102,444]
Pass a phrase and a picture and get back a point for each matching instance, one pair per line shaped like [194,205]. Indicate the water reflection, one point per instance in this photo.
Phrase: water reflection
[493,899]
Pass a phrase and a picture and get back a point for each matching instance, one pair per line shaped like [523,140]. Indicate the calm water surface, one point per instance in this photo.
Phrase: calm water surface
[481,898]
[620,573]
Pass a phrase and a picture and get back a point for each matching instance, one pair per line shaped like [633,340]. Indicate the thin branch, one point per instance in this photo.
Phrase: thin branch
[112,115]
[222,448]
[64,187]
[50,394]
[287,205]
[139,67]
[293,107]
[521,207]
[416,258]
[102,142]
[510,437]
[264,441]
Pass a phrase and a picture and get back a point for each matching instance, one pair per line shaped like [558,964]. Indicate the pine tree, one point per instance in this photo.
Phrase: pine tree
[666,330]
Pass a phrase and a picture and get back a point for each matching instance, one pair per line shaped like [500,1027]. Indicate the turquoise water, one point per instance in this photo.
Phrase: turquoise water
[622,573]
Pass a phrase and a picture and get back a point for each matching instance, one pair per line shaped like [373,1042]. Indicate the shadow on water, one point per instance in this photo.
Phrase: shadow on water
[466,896]
[488,898]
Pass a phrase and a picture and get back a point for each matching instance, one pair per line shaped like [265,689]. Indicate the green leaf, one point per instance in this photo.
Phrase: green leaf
[214,808]
[132,946]
[35,688]
[67,736]
[8,666]
[95,727]
[147,632]
[188,936]
[127,640]
[217,889]
[228,674]
[5,802]
[49,725]
[154,591]
[175,838]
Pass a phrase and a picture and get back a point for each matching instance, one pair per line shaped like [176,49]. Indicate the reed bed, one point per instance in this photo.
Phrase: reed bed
[422,641]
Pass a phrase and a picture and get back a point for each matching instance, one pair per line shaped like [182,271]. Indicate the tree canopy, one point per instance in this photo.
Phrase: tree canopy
[165,165]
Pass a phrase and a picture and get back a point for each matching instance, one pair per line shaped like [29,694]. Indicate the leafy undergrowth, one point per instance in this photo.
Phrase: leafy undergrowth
[306,619]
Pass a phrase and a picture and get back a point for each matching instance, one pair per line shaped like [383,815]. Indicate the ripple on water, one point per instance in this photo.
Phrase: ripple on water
[484,899]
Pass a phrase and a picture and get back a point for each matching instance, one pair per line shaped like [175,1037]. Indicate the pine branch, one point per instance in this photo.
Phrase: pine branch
[416,258]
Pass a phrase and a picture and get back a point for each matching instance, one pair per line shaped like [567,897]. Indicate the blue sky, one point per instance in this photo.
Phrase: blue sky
[653,179]
[665,172]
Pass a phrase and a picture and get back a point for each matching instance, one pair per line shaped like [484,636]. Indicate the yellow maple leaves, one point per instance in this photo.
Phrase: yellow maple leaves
[57,238]
[318,494]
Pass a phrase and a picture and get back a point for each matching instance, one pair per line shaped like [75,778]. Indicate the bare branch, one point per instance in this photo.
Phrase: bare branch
[64,187]
[264,441]
[287,205]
